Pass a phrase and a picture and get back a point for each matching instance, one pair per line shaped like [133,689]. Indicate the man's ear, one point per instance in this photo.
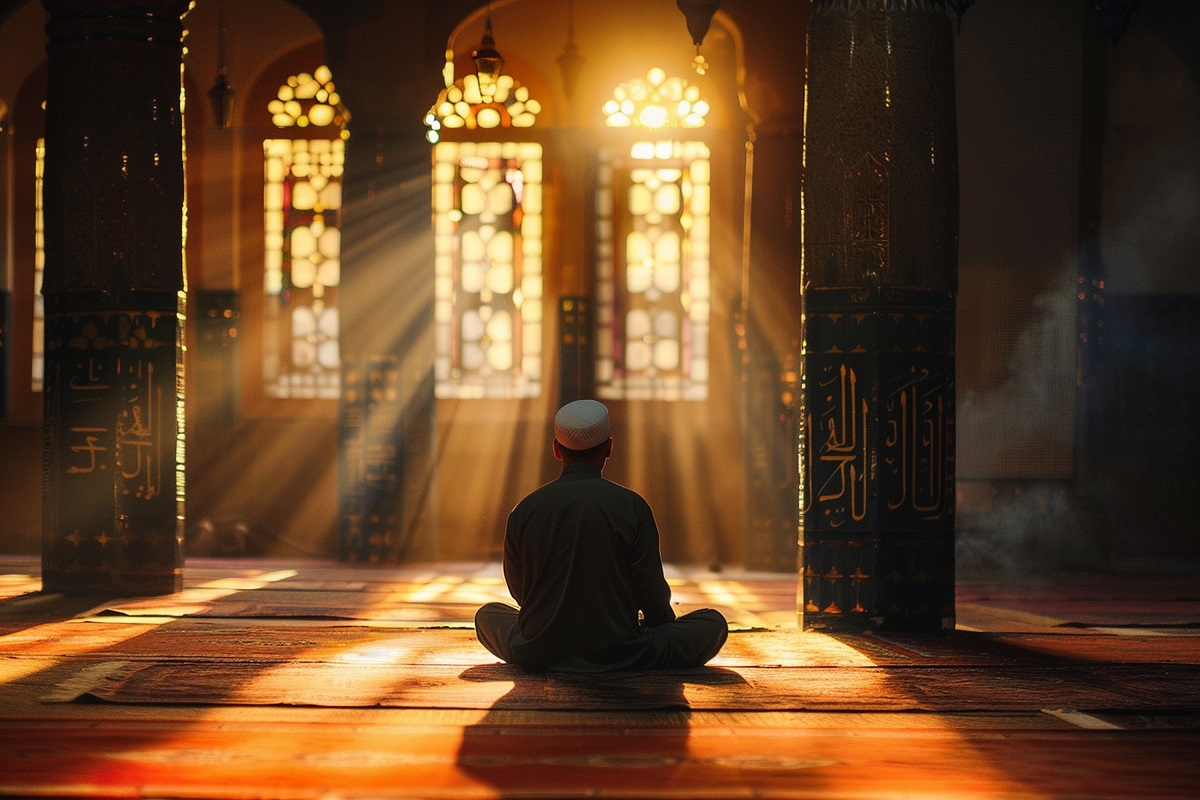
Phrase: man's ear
[556,448]
[608,448]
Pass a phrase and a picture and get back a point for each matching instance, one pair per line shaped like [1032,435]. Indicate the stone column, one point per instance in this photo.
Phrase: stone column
[387,60]
[114,291]
[387,407]
[770,345]
[576,302]
[879,282]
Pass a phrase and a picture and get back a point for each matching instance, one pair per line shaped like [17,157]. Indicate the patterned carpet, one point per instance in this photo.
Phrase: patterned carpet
[322,681]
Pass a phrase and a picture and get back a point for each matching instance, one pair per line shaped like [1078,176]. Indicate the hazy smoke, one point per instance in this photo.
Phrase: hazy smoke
[1015,452]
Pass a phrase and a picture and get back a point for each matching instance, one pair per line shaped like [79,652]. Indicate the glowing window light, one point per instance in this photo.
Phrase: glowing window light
[302,202]
[310,100]
[487,220]
[462,105]
[653,286]
[655,102]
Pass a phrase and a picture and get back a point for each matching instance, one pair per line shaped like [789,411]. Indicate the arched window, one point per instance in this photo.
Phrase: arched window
[653,288]
[487,219]
[302,204]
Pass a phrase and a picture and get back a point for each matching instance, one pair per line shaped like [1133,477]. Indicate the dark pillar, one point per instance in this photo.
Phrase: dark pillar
[879,284]
[215,398]
[371,461]
[577,353]
[114,291]
[387,59]
[574,150]
[770,347]
[1094,393]
[768,322]
[386,469]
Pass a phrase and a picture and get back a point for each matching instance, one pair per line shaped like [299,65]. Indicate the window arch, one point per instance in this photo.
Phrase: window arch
[463,105]
[487,220]
[302,204]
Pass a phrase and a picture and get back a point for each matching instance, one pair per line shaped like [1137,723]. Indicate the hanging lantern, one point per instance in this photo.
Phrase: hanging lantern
[570,62]
[221,97]
[488,62]
[699,14]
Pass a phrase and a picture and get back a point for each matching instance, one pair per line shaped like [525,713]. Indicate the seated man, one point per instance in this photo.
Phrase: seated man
[581,558]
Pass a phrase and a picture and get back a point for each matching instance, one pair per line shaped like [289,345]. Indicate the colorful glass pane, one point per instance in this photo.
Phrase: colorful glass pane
[653,272]
[302,210]
[488,269]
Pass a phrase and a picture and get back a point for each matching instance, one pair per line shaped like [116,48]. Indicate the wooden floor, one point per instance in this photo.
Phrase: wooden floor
[267,679]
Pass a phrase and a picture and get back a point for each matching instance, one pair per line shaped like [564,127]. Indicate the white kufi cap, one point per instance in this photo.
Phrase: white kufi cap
[581,425]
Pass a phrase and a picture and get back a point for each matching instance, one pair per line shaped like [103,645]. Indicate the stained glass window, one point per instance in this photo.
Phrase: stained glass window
[302,202]
[487,216]
[653,288]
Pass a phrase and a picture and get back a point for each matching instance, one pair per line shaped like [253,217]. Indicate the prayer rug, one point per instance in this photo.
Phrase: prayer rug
[275,603]
[110,638]
[498,686]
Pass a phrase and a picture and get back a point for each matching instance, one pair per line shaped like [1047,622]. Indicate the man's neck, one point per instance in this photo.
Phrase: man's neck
[596,463]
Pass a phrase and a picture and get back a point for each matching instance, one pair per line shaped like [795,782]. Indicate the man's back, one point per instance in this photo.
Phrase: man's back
[581,559]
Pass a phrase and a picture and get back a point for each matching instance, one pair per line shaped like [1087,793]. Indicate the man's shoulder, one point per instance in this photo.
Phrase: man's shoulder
[622,490]
[593,485]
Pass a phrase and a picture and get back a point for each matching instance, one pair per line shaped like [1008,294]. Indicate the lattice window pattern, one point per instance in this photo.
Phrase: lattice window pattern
[302,203]
[487,212]
[653,286]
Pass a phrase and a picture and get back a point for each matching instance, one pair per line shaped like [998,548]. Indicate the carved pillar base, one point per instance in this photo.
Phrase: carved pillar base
[878,548]
[113,500]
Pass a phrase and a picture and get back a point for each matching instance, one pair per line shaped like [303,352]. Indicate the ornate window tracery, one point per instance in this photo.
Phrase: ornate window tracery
[302,203]
[653,287]
[652,261]
[487,208]
[487,220]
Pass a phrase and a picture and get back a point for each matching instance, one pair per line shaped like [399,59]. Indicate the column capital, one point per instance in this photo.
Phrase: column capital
[158,21]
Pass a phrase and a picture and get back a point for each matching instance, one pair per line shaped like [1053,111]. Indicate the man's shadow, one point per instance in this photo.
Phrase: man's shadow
[558,733]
